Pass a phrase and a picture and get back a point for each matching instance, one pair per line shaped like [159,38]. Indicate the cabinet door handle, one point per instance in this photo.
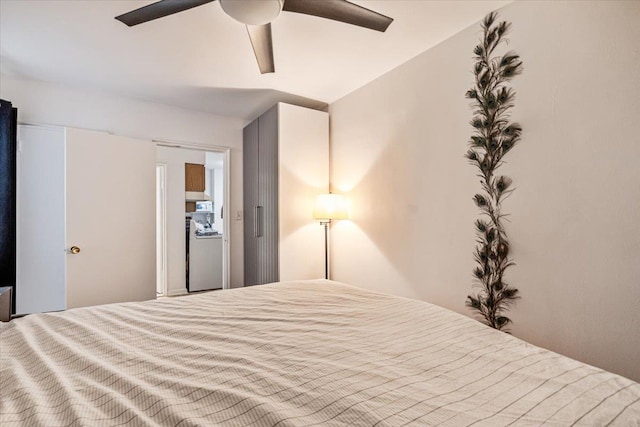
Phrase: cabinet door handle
[255,221]
[259,221]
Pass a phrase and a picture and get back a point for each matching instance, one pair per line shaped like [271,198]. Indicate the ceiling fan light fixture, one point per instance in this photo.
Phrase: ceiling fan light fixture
[257,16]
[252,12]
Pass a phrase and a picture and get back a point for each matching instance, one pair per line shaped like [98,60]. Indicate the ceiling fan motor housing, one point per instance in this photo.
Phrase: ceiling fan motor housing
[252,12]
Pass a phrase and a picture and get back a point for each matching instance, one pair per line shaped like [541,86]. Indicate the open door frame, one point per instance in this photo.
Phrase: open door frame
[161,229]
[226,197]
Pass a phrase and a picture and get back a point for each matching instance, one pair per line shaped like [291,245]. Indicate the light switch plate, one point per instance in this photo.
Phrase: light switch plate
[239,215]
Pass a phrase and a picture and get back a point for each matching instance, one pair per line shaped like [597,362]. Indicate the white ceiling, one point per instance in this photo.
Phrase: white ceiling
[202,59]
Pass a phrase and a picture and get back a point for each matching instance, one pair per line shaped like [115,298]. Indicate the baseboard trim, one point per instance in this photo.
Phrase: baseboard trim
[177,292]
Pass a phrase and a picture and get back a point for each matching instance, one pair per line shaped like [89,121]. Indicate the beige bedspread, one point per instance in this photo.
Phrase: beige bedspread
[292,354]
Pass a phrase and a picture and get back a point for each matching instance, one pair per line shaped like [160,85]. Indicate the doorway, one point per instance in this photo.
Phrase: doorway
[192,229]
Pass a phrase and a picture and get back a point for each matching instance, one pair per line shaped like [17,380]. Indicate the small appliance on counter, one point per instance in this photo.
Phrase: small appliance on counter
[204,206]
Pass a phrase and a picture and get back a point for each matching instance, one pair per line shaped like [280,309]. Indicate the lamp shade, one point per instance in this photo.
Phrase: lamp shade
[330,206]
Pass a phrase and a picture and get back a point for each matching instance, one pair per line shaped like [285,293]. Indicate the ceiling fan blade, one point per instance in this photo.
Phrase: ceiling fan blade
[260,36]
[157,10]
[340,10]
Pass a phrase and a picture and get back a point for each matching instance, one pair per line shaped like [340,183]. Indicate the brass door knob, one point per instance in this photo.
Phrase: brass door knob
[74,250]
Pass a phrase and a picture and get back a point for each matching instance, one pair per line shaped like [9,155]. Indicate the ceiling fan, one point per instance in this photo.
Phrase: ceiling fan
[258,14]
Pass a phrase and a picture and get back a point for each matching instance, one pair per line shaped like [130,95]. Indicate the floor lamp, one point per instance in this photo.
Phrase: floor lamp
[329,207]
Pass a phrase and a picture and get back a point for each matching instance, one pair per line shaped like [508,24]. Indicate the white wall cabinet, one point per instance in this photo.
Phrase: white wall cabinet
[286,165]
[93,191]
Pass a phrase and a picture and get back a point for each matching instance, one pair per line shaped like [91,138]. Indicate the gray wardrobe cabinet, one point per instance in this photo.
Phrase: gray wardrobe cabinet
[285,167]
[260,181]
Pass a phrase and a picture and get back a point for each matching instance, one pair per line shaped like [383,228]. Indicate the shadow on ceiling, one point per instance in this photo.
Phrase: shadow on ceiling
[246,104]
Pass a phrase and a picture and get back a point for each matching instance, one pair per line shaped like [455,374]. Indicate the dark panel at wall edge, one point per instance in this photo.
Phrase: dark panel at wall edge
[8,147]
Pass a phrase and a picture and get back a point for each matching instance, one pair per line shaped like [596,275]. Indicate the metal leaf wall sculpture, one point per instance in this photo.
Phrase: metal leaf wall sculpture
[494,136]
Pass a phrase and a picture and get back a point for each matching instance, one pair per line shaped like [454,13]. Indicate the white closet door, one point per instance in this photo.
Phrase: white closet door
[110,182]
[41,220]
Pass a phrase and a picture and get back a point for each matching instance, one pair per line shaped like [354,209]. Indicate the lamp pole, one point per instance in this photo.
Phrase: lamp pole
[326,248]
[329,206]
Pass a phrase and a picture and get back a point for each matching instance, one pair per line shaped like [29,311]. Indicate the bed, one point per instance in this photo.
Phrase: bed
[292,354]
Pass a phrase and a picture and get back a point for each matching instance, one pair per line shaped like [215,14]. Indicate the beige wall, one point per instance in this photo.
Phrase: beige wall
[303,173]
[397,149]
[46,103]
